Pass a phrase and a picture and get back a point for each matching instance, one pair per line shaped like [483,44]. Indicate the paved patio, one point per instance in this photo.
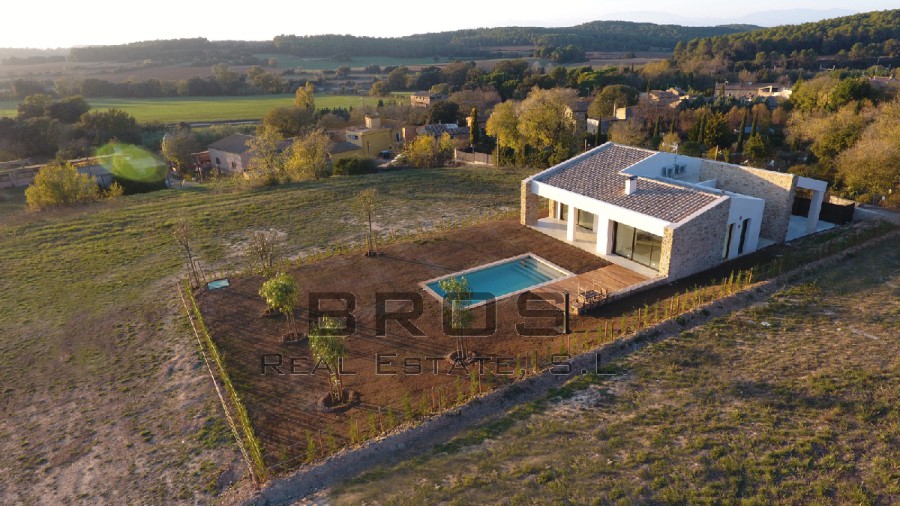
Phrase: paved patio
[587,241]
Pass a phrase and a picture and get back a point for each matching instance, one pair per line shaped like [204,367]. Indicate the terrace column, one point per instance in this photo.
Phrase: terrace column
[530,212]
[815,207]
[570,224]
[604,230]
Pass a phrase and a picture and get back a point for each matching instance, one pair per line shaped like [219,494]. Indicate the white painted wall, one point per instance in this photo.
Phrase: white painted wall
[743,207]
[603,210]
[652,167]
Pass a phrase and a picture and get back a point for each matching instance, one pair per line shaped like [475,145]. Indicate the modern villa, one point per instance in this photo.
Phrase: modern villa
[666,215]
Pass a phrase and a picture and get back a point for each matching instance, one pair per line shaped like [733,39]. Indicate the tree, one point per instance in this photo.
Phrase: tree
[229,80]
[59,185]
[304,97]
[33,106]
[177,147]
[457,297]
[545,124]
[871,167]
[184,236]
[756,147]
[628,133]
[282,293]
[612,97]
[474,129]
[307,158]
[265,252]
[442,111]
[741,129]
[68,109]
[114,124]
[265,164]
[670,142]
[397,79]
[503,125]
[364,204]
[426,151]
[289,121]
[329,347]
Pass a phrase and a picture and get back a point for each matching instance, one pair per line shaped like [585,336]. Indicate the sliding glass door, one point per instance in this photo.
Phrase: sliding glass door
[637,245]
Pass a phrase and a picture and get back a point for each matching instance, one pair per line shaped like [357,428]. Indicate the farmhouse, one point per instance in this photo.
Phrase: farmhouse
[425,98]
[663,214]
[232,154]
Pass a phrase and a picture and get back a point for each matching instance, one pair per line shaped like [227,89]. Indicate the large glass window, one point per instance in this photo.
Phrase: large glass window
[563,212]
[585,220]
[637,245]
[624,240]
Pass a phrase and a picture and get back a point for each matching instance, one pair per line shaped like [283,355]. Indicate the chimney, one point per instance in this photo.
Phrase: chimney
[630,185]
[373,121]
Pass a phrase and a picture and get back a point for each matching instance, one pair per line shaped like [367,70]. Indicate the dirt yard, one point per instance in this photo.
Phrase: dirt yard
[284,407]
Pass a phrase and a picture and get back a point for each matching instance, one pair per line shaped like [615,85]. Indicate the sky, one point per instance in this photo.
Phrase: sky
[55,23]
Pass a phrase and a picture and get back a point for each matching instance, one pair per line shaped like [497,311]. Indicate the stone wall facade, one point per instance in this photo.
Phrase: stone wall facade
[696,245]
[776,188]
[530,208]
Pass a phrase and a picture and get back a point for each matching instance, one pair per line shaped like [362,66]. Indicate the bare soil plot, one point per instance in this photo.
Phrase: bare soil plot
[284,408]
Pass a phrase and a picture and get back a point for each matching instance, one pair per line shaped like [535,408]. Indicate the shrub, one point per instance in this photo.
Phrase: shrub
[354,166]
[60,184]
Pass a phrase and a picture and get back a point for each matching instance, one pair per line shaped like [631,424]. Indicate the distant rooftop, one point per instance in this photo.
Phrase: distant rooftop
[597,175]
[234,143]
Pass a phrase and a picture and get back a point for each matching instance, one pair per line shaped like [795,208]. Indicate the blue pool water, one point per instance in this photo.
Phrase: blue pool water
[504,278]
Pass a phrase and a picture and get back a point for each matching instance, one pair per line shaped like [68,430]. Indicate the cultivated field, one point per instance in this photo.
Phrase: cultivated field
[198,109]
[104,398]
[793,401]
[357,62]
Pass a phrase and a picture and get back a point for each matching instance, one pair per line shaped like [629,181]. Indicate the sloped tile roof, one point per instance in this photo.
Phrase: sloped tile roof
[234,143]
[597,176]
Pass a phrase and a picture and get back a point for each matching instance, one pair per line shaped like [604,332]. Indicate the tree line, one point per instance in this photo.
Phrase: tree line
[860,38]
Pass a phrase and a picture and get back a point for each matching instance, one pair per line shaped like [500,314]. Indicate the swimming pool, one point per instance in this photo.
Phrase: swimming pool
[503,278]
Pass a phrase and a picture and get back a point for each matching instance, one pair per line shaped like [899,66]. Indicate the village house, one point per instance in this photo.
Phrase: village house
[425,98]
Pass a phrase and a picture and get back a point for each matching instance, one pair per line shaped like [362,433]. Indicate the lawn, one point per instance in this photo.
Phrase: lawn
[101,381]
[199,109]
[793,401]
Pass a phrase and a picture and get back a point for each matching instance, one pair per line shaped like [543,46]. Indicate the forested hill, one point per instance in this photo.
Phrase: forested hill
[593,36]
[861,37]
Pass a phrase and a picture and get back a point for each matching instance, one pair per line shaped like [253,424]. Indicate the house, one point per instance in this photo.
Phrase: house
[366,141]
[437,129]
[231,155]
[663,214]
[425,98]
[671,98]
[577,111]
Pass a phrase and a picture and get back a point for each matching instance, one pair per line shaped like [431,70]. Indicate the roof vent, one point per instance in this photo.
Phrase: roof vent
[630,185]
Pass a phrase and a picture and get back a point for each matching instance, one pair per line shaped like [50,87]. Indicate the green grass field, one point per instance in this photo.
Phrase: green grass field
[95,357]
[793,401]
[198,109]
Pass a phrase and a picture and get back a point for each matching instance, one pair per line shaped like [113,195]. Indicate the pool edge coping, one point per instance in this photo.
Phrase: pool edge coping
[567,272]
